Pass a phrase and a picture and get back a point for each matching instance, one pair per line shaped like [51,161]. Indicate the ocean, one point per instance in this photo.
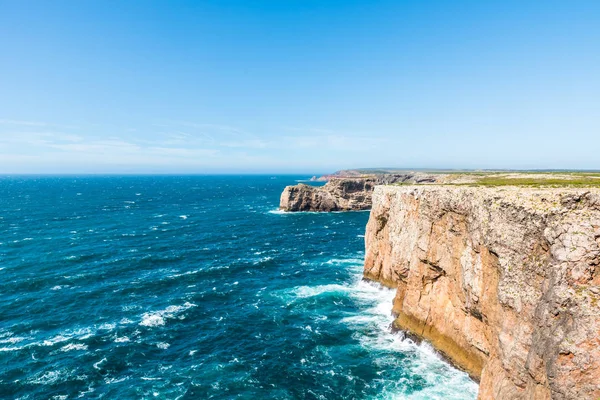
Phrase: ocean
[195,287]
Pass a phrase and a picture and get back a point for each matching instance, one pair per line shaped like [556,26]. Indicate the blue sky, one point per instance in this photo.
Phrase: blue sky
[297,86]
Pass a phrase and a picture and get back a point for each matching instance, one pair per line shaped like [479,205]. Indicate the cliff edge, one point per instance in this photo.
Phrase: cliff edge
[505,281]
[342,194]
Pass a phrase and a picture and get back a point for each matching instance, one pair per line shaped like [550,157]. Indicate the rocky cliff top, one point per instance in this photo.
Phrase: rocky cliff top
[352,189]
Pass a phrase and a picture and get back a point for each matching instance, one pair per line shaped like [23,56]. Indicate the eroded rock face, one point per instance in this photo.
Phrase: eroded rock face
[504,281]
[342,194]
[336,195]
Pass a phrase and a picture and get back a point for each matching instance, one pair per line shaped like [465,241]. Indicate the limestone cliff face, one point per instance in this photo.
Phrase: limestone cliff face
[342,194]
[504,281]
[335,195]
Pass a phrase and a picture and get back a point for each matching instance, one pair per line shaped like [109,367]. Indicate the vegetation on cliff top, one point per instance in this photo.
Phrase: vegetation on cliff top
[525,179]
[574,181]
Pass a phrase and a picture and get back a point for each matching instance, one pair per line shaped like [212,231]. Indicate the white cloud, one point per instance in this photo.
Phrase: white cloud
[23,123]
[39,147]
[14,122]
[37,138]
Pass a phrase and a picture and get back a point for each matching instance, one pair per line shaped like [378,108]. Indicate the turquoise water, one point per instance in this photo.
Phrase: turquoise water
[195,287]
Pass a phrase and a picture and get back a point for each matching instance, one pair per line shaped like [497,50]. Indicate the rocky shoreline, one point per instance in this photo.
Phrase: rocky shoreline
[504,281]
[500,272]
[343,193]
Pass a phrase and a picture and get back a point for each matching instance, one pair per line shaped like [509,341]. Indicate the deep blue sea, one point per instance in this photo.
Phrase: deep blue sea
[195,287]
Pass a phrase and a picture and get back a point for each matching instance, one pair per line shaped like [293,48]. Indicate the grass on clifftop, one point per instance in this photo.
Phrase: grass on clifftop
[522,179]
[538,182]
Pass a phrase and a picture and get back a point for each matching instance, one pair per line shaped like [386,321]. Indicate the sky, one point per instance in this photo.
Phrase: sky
[298,86]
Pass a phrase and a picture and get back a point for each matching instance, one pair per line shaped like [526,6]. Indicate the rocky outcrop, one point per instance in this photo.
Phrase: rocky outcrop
[342,194]
[503,281]
[335,195]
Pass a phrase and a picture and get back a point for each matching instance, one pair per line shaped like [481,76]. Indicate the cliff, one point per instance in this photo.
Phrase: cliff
[335,195]
[502,280]
[342,194]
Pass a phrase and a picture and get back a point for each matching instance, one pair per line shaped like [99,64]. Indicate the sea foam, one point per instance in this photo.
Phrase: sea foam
[159,318]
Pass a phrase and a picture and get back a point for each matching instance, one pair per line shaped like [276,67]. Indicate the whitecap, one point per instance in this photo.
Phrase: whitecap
[54,340]
[109,381]
[15,348]
[311,291]
[90,390]
[50,377]
[152,320]
[122,339]
[357,261]
[83,333]
[74,346]
[184,274]
[97,364]
[158,318]
[372,329]
[163,345]
[262,260]
[12,340]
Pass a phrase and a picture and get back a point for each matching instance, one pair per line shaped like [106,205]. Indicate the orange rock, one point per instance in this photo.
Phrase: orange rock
[503,281]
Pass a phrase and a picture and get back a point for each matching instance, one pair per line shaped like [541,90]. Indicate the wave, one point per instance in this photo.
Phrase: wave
[74,346]
[160,317]
[51,377]
[12,340]
[262,260]
[62,337]
[311,291]
[443,381]
[371,325]
[55,340]
[354,260]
